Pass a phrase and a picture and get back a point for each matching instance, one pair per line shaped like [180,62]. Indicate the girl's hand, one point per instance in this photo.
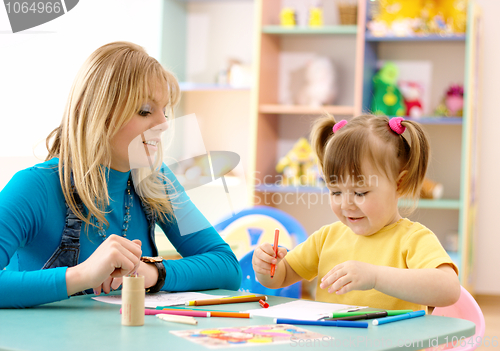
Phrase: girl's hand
[114,258]
[348,276]
[263,257]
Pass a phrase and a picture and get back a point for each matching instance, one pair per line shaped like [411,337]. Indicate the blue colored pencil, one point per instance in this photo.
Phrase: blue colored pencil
[398,318]
[345,324]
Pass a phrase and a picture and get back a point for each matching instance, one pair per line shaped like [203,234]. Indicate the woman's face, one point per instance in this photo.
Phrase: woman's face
[136,143]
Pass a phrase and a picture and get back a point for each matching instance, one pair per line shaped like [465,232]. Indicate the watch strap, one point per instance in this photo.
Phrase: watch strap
[162,273]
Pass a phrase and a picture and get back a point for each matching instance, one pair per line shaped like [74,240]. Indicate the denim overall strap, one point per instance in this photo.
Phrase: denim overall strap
[151,217]
[66,255]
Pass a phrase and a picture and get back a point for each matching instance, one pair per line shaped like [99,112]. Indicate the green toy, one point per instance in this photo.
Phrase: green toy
[387,99]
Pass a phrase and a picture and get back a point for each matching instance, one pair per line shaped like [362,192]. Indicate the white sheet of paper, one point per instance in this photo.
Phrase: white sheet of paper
[161,298]
[301,309]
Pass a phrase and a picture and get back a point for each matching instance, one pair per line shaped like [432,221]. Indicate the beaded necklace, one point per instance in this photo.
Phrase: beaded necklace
[129,201]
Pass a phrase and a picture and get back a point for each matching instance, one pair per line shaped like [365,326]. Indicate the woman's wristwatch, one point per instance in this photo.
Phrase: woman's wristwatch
[162,273]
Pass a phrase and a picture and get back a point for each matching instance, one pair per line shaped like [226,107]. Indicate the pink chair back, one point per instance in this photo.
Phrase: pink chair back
[465,308]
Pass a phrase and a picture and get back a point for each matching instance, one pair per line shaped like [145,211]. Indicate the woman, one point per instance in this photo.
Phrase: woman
[86,216]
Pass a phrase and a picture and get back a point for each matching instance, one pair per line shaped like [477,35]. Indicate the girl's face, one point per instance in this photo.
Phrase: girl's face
[136,143]
[365,204]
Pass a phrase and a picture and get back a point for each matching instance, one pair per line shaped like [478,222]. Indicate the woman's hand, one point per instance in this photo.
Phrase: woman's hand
[108,285]
[147,270]
[263,257]
[114,258]
[348,276]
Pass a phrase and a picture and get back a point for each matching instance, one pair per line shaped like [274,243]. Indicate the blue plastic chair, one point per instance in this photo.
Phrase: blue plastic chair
[249,282]
[293,227]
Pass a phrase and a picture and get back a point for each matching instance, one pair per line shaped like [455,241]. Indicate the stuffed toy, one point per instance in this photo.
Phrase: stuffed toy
[298,165]
[287,17]
[320,87]
[457,15]
[405,17]
[378,28]
[431,190]
[453,102]
[315,17]
[412,96]
[387,99]
[402,27]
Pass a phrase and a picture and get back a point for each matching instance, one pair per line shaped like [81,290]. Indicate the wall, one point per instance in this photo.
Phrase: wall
[488,236]
[37,68]
[216,32]
[223,118]
[223,114]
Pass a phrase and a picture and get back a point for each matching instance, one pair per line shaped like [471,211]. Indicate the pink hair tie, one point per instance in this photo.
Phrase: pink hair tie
[339,125]
[395,124]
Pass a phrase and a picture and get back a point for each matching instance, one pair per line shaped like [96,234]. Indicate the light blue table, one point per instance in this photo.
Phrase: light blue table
[81,323]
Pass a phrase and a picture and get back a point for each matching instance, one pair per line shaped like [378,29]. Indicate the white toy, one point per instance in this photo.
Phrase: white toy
[378,28]
[402,27]
[320,88]
[412,96]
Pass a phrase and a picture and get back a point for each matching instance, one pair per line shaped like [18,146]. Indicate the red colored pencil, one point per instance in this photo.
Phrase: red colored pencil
[276,238]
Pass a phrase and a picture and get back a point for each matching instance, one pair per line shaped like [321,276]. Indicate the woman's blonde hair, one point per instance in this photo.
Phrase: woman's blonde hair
[369,137]
[107,92]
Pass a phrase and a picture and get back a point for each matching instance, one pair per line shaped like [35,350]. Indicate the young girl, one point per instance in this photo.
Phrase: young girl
[372,256]
[87,215]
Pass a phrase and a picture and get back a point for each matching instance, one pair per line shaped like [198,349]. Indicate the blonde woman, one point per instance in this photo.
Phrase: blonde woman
[84,218]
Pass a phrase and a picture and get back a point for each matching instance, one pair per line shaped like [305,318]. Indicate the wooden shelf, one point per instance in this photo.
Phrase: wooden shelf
[280,30]
[436,120]
[306,110]
[443,204]
[188,86]
[433,37]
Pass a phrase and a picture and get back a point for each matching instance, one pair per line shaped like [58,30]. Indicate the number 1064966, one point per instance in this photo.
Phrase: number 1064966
[33,7]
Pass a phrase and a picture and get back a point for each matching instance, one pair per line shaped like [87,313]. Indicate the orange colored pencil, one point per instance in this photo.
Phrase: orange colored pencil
[224,300]
[213,313]
[230,314]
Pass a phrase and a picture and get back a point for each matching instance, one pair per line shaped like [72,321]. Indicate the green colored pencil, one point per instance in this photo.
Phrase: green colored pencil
[357,313]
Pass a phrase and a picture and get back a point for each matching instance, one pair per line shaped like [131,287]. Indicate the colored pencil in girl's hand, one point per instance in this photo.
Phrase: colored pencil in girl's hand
[276,238]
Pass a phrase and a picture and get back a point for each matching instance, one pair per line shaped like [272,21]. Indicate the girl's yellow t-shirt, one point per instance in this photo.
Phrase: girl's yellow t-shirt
[403,244]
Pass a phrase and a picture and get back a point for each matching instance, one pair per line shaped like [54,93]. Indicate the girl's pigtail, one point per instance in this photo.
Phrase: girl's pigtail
[322,131]
[418,160]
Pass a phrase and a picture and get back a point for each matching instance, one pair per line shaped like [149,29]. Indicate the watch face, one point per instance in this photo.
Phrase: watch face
[151,259]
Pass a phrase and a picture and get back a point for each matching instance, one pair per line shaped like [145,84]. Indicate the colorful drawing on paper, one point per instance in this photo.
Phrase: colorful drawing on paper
[248,336]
